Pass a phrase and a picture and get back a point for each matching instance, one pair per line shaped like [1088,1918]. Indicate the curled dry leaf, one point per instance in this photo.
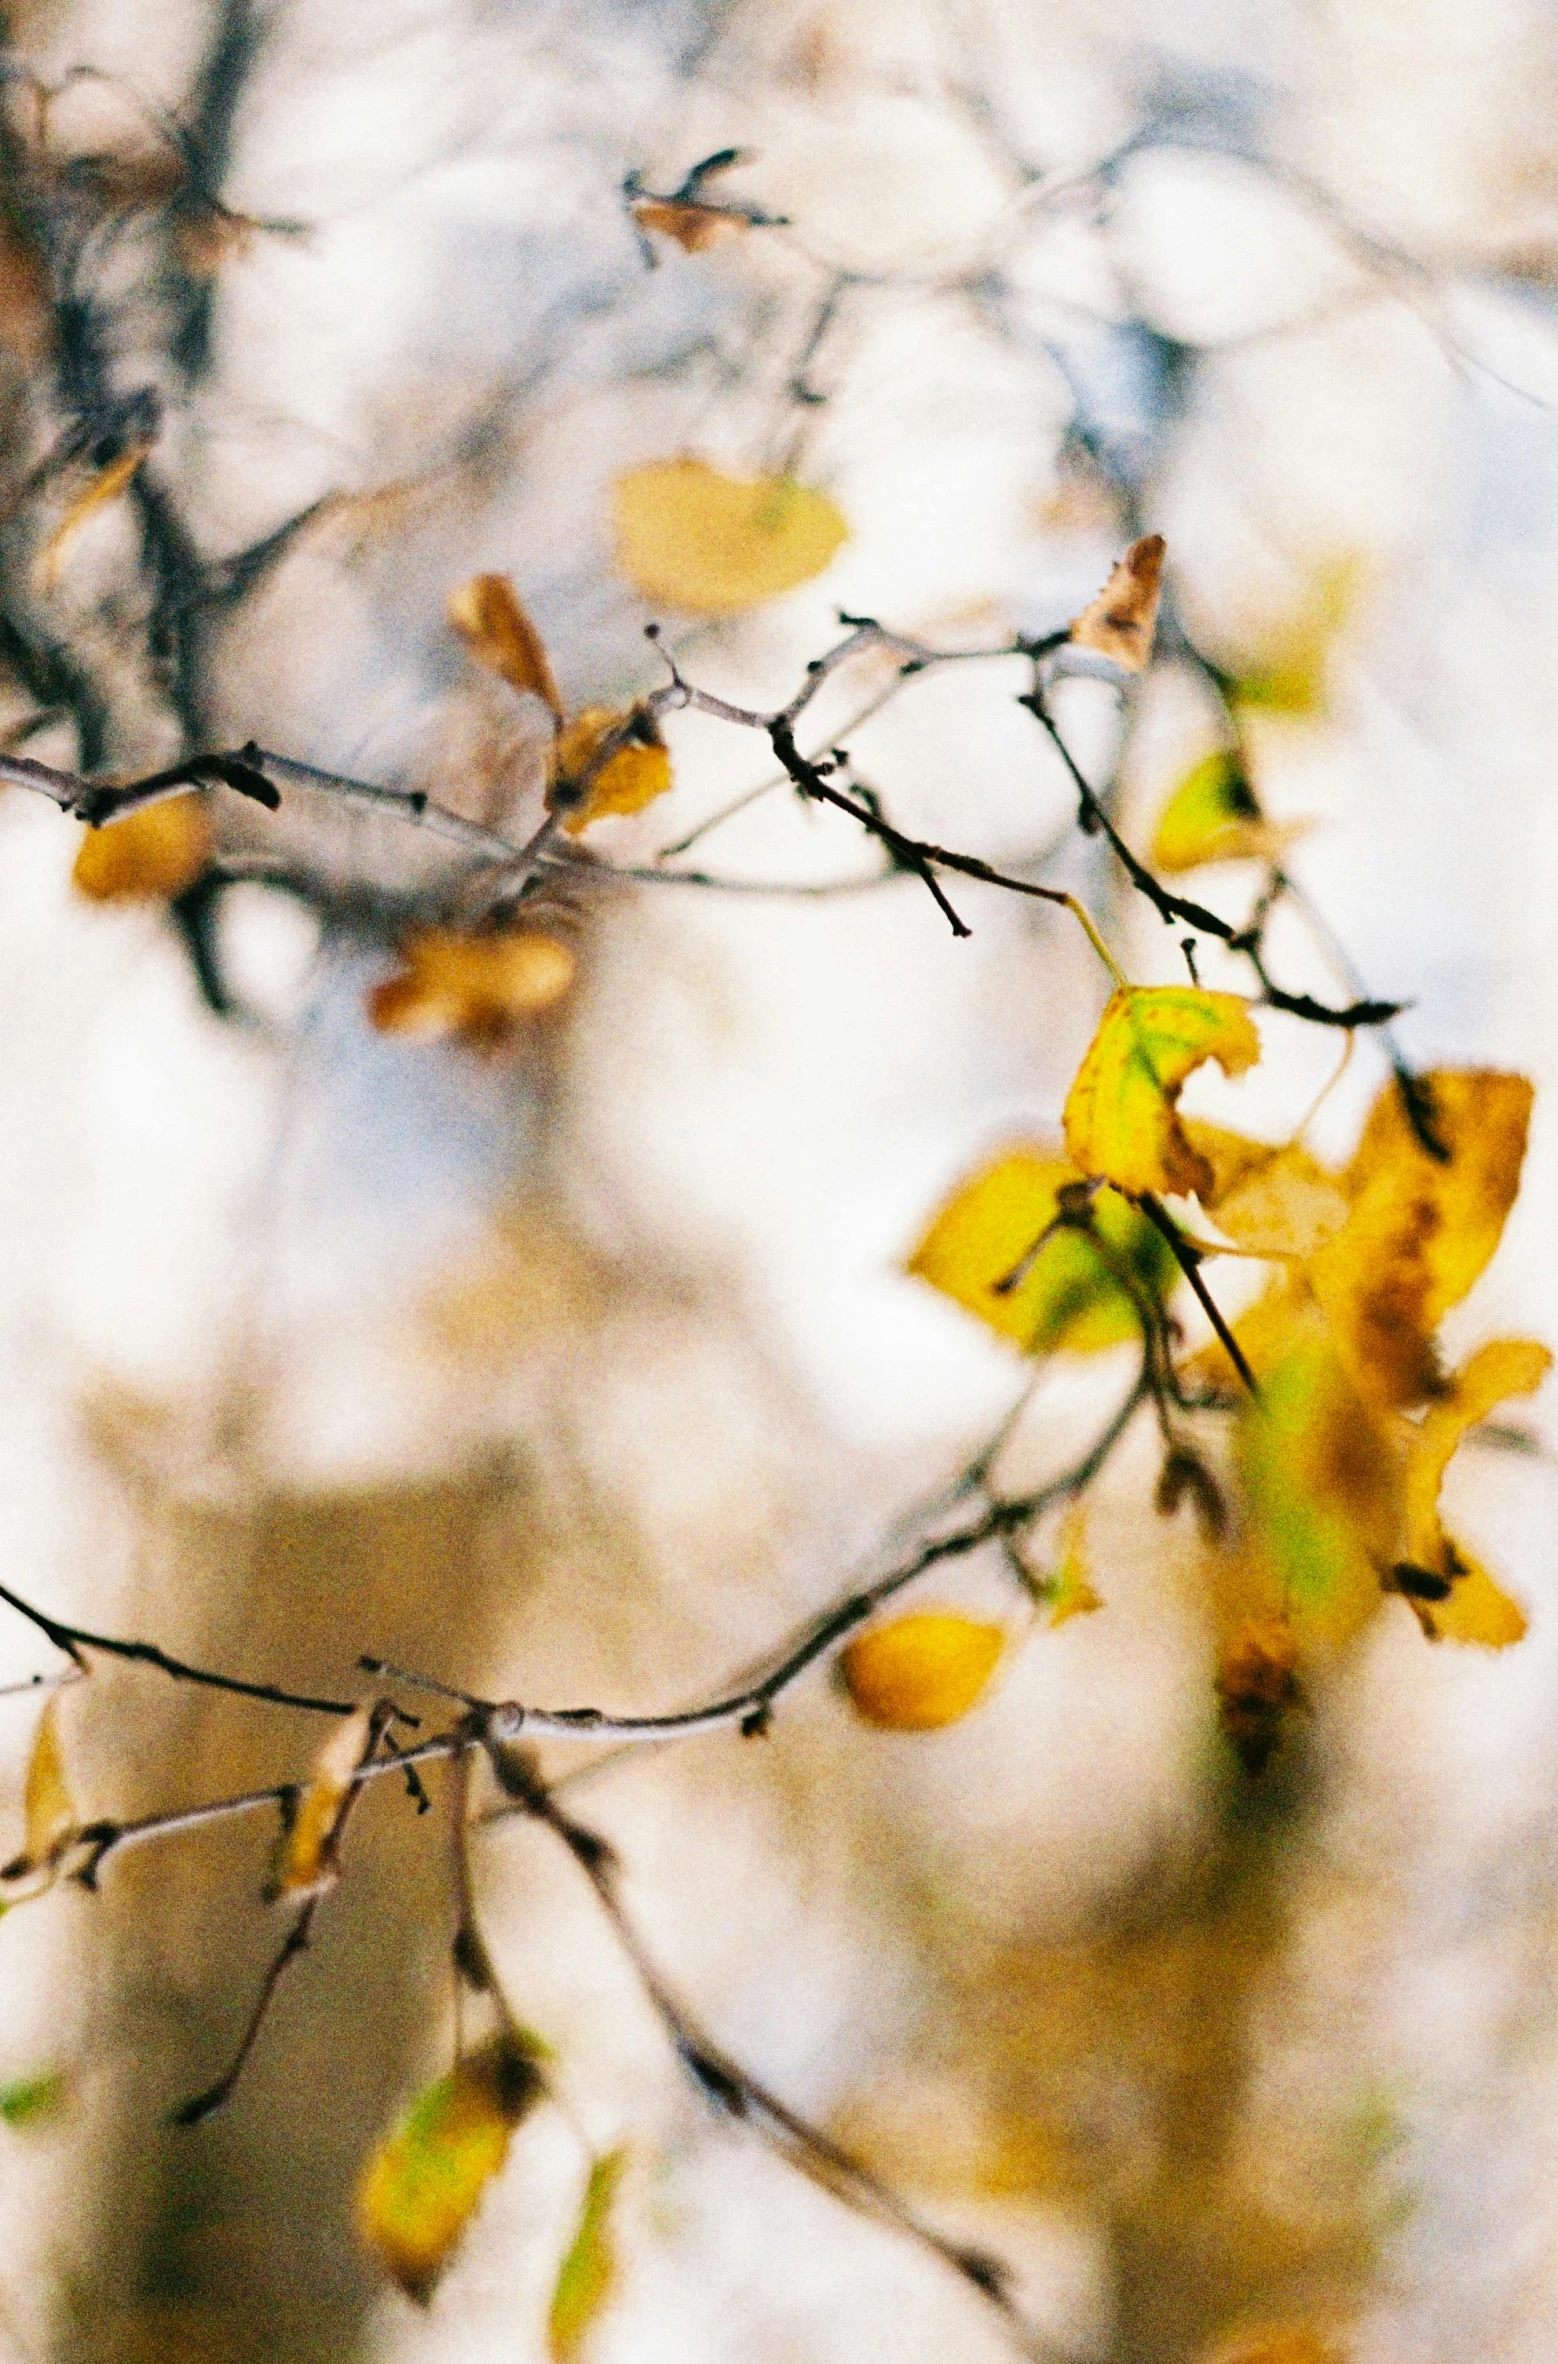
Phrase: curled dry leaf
[922,1671]
[589,2269]
[1121,1116]
[425,2181]
[1120,622]
[487,614]
[1214,816]
[50,1811]
[151,855]
[306,1860]
[1269,1200]
[690,537]
[1071,1293]
[479,988]
[694,228]
[593,779]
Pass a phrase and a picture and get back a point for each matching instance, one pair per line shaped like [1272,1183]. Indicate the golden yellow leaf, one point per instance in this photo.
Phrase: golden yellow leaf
[1120,622]
[106,486]
[1069,1590]
[1121,1113]
[152,854]
[1070,1294]
[487,614]
[306,1859]
[48,1808]
[921,1671]
[1453,1597]
[1270,1200]
[423,2184]
[589,2269]
[1422,1227]
[1321,1479]
[1293,2343]
[480,988]
[694,228]
[1214,816]
[585,788]
[1291,676]
[714,545]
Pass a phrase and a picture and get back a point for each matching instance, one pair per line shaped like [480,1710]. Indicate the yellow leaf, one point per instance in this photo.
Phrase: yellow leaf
[1321,1481]
[589,2269]
[1257,1689]
[1422,1228]
[1289,2344]
[921,1671]
[1270,1201]
[481,988]
[714,545]
[152,854]
[1069,1591]
[1120,622]
[423,2184]
[1291,678]
[1213,816]
[49,1810]
[1121,1112]
[587,789]
[1453,1597]
[694,228]
[487,614]
[1069,1295]
[107,486]
[306,1860]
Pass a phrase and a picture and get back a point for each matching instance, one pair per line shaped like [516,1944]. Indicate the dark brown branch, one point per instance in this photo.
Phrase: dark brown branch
[1189,1261]
[74,1639]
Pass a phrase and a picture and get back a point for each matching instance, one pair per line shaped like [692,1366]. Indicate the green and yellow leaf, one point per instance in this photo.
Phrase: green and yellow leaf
[690,537]
[1121,1117]
[425,2181]
[1214,816]
[1290,678]
[34,2101]
[1070,1294]
[584,2282]
[922,1671]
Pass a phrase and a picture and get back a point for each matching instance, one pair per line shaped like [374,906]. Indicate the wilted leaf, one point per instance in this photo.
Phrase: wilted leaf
[151,855]
[1070,1295]
[1257,1689]
[33,2101]
[487,614]
[106,486]
[585,789]
[306,1859]
[921,1671]
[1069,1590]
[1120,622]
[1270,1201]
[424,2183]
[694,228]
[1321,1481]
[1291,675]
[585,2278]
[1122,1110]
[1454,1598]
[1422,1228]
[692,538]
[481,988]
[1213,816]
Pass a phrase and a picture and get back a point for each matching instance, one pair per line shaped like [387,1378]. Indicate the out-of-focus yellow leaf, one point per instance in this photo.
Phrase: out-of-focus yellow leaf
[694,228]
[480,988]
[1214,816]
[922,1671]
[1069,1590]
[1293,2343]
[487,614]
[150,855]
[423,2184]
[1257,1688]
[1291,677]
[47,1805]
[692,538]
[1454,1598]
[105,487]
[1322,1484]
[1070,1296]
[306,1859]
[1122,1116]
[585,789]
[33,2101]
[589,2269]
[1422,1228]
[1120,622]
[1270,1201]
